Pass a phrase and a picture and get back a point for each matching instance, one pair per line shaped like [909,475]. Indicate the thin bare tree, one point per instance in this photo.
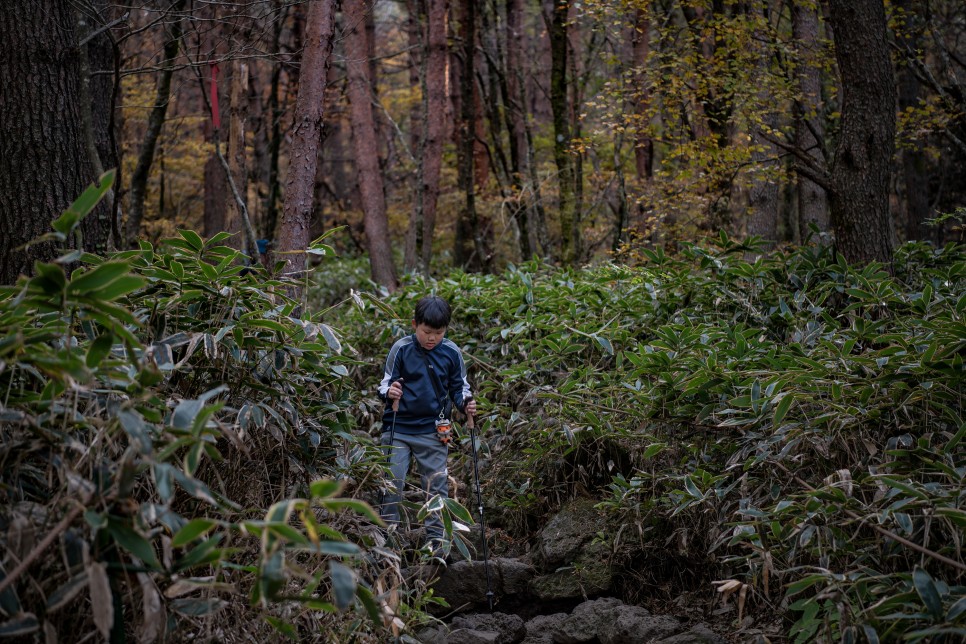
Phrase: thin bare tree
[295,224]
[369,174]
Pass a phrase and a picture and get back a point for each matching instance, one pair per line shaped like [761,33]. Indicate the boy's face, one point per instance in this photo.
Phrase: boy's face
[427,336]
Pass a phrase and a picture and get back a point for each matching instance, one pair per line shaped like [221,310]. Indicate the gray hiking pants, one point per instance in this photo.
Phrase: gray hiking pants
[430,457]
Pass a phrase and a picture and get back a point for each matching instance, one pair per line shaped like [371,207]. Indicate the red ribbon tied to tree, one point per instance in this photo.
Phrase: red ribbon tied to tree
[215,116]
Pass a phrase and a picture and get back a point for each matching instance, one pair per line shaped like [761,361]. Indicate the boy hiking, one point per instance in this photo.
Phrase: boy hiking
[424,377]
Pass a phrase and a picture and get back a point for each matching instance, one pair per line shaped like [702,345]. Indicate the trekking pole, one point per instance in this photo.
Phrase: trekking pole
[392,437]
[479,502]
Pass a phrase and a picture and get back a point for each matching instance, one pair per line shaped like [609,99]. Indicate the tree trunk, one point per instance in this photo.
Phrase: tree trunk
[274,132]
[915,178]
[515,113]
[643,144]
[293,232]
[142,170]
[809,122]
[45,161]
[367,147]
[763,192]
[97,98]
[859,176]
[469,251]
[236,155]
[569,232]
[216,191]
[423,222]
[415,19]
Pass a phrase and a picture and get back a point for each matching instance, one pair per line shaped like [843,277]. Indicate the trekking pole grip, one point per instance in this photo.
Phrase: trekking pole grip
[395,403]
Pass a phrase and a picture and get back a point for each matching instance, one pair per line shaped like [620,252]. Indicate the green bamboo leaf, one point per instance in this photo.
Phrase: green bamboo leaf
[956,610]
[692,489]
[22,624]
[192,530]
[804,584]
[359,507]
[99,349]
[192,238]
[343,584]
[605,344]
[653,449]
[283,627]
[331,338]
[781,409]
[204,553]
[325,488]
[9,601]
[66,223]
[121,286]
[137,430]
[198,607]
[369,602]
[126,537]
[339,548]
[926,588]
[66,593]
[84,281]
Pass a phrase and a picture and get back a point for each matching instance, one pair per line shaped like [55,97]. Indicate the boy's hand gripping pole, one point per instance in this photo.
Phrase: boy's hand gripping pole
[479,502]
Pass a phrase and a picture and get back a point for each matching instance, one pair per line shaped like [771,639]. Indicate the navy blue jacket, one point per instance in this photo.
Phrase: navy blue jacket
[420,405]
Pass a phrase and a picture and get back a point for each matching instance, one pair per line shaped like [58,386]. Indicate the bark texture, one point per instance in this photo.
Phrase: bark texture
[809,123]
[293,233]
[860,172]
[236,154]
[569,230]
[468,250]
[142,170]
[366,146]
[915,175]
[641,49]
[45,162]
[423,221]
[522,203]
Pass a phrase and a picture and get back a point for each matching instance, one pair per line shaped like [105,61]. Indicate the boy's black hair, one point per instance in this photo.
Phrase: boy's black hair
[433,311]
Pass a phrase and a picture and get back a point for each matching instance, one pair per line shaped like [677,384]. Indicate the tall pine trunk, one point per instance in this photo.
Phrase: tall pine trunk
[236,154]
[296,221]
[569,230]
[468,248]
[809,121]
[45,160]
[763,193]
[515,113]
[860,171]
[915,178]
[142,169]
[435,70]
[643,144]
[366,146]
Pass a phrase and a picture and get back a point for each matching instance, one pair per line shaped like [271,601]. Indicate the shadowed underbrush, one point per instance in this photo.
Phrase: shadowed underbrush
[184,454]
[782,433]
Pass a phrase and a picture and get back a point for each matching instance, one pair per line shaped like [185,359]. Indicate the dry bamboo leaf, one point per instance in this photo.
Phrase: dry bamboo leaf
[154,615]
[101,600]
[167,552]
[727,586]
[742,595]
[846,477]
[50,633]
[20,536]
